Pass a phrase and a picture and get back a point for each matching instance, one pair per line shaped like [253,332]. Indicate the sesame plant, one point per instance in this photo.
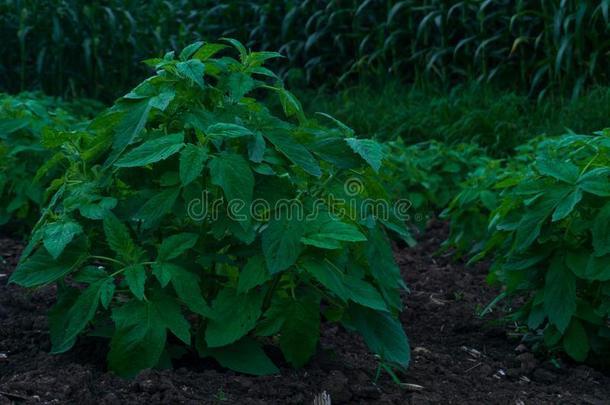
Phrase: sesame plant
[191,217]
[549,241]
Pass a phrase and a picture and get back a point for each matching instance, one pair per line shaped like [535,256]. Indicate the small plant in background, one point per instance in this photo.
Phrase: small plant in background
[25,122]
[549,243]
[429,174]
[139,256]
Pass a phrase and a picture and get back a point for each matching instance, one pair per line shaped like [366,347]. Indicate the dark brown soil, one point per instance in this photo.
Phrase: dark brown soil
[457,357]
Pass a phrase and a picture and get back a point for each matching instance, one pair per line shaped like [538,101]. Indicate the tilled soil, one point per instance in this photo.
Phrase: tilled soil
[457,357]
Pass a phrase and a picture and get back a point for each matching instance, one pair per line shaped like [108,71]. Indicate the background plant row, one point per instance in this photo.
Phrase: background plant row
[75,48]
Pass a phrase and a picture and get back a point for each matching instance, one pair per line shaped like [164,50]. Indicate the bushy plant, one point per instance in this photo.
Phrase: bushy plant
[190,215]
[429,174]
[25,121]
[549,242]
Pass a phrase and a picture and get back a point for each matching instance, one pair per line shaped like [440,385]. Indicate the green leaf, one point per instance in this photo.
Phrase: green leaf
[576,341]
[566,206]
[232,173]
[192,70]
[300,330]
[601,231]
[240,84]
[381,260]
[141,333]
[326,229]
[369,150]
[135,276]
[157,207]
[256,148]
[295,152]
[382,333]
[596,182]
[291,105]
[175,245]
[41,268]
[559,294]
[281,241]
[364,294]
[189,50]
[327,274]
[597,268]
[253,274]
[119,239]
[68,319]
[560,170]
[243,53]
[186,285]
[223,130]
[192,159]
[233,316]
[244,356]
[207,51]
[58,235]
[152,151]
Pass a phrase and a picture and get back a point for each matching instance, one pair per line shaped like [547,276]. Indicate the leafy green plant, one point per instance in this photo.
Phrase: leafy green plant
[24,121]
[549,244]
[190,214]
[429,174]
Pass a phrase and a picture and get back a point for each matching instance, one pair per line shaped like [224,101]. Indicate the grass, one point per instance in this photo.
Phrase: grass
[497,120]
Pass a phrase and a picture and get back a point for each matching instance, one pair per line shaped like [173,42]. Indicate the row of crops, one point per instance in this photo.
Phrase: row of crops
[108,198]
[70,48]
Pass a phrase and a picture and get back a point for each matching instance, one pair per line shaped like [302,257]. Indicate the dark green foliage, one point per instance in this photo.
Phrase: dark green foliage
[76,47]
[429,174]
[496,120]
[129,242]
[26,123]
[549,240]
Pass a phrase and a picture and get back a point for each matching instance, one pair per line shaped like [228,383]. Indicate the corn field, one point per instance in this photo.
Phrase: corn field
[75,48]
